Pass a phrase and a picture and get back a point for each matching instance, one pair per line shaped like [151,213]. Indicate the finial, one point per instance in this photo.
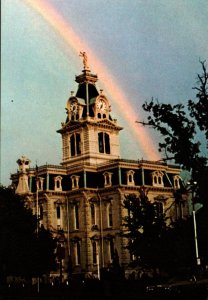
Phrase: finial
[84,55]
[72,93]
[101,91]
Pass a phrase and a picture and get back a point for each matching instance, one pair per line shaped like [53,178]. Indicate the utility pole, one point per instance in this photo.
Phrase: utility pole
[193,185]
[37,217]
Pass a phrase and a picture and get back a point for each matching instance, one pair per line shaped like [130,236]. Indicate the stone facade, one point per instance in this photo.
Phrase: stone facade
[81,199]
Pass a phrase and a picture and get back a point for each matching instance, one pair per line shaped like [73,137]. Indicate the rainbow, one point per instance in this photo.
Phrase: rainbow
[64,29]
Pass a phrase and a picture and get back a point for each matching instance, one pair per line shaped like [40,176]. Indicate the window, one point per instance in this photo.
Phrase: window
[110,215]
[41,212]
[76,216]
[130,177]
[111,249]
[40,183]
[158,208]
[57,181]
[107,178]
[94,252]
[93,218]
[75,143]
[176,181]
[77,253]
[58,212]
[75,181]
[157,178]
[104,142]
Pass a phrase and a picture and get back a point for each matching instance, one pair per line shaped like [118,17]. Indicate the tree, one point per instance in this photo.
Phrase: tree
[153,243]
[179,126]
[22,252]
[145,231]
[184,130]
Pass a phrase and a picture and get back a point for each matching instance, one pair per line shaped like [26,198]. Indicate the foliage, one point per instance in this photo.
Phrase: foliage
[154,244]
[184,139]
[22,252]
[145,229]
[180,126]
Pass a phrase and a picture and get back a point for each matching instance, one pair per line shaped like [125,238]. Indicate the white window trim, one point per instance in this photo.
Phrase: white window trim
[107,179]
[75,182]
[129,174]
[156,176]
[56,180]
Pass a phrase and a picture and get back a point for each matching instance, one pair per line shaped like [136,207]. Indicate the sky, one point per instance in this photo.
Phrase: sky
[138,48]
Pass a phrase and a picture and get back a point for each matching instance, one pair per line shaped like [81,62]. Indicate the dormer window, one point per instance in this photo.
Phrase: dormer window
[176,182]
[40,183]
[130,177]
[157,178]
[107,179]
[57,183]
[75,182]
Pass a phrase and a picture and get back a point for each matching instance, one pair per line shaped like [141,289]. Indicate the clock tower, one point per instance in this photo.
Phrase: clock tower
[89,133]
[81,200]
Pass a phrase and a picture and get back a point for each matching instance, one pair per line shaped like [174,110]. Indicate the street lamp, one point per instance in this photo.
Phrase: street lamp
[193,185]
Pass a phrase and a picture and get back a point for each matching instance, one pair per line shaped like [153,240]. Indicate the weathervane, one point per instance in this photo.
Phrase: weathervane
[84,55]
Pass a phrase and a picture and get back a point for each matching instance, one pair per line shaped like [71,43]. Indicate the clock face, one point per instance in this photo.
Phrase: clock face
[73,107]
[101,104]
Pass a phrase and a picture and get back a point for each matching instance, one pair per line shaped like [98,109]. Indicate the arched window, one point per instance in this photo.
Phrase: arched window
[176,181]
[130,177]
[110,215]
[111,249]
[157,178]
[94,252]
[58,212]
[76,216]
[104,142]
[41,212]
[107,179]
[75,144]
[77,253]
[158,208]
[99,116]
[75,181]
[57,181]
[93,218]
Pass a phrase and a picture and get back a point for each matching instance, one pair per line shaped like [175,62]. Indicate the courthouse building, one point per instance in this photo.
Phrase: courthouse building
[81,200]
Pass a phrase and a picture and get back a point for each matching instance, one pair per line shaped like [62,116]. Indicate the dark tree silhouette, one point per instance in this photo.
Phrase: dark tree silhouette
[179,126]
[22,252]
[184,135]
[145,230]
